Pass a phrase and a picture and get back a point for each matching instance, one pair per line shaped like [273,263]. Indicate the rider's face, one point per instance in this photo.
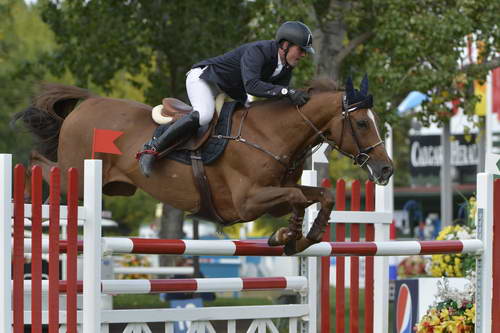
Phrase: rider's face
[295,53]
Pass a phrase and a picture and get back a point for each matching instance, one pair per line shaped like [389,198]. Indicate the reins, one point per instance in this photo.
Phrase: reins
[360,159]
[239,138]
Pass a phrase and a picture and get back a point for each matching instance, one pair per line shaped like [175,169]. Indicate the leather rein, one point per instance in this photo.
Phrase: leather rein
[361,158]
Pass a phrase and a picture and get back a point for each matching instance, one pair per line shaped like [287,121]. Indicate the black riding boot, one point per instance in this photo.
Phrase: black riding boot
[185,126]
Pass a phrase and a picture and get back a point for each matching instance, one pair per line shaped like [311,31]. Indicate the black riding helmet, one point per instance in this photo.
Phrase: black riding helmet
[297,33]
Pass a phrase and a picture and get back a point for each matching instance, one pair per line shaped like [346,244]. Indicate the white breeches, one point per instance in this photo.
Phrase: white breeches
[201,94]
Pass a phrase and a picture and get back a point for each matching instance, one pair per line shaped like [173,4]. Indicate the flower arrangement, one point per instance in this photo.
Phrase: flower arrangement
[133,260]
[454,312]
[456,265]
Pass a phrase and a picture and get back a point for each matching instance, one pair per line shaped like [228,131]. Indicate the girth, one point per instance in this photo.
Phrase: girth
[207,209]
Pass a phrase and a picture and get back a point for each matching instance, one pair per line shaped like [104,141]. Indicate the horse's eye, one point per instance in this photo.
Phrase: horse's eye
[362,123]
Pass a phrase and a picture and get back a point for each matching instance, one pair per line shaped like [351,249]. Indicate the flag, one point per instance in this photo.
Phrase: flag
[103,142]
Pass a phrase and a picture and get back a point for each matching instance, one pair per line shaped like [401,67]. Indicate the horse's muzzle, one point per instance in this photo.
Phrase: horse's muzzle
[380,172]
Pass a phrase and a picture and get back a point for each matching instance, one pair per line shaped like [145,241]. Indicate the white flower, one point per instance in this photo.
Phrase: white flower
[463,234]
[445,292]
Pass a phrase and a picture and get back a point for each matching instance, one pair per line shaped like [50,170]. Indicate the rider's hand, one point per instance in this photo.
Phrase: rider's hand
[298,97]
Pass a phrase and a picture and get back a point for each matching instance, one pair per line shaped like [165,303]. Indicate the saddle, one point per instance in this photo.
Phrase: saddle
[202,148]
[176,109]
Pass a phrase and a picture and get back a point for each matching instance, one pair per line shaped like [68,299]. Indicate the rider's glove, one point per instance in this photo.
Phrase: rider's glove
[298,97]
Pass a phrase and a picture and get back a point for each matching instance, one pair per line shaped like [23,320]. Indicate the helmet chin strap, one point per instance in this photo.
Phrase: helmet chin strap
[286,53]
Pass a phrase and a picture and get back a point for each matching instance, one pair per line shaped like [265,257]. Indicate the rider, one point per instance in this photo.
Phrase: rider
[262,69]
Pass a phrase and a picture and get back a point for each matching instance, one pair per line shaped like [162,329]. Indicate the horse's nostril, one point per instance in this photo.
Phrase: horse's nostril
[387,171]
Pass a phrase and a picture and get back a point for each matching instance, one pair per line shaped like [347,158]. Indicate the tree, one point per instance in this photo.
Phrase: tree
[409,45]
[163,38]
[23,38]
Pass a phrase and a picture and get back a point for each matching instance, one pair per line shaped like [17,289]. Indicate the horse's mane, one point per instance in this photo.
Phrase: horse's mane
[321,84]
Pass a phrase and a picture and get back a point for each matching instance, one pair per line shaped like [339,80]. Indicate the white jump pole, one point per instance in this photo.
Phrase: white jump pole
[309,266]
[5,242]
[92,246]
[484,222]
[384,202]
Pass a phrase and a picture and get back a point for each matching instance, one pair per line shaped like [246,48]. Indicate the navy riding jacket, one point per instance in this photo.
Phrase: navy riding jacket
[248,69]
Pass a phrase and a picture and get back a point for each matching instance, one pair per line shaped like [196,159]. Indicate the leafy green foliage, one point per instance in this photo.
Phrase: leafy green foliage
[266,224]
[23,36]
[418,45]
[131,211]
[165,38]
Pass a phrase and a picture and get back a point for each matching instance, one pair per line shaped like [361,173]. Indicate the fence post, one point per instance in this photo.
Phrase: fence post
[484,223]
[384,202]
[309,265]
[92,246]
[5,242]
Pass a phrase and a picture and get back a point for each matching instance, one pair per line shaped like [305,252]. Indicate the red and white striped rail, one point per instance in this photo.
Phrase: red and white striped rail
[140,286]
[260,247]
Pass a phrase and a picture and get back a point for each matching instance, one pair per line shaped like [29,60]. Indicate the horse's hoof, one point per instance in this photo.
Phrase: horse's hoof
[272,241]
[291,248]
[146,164]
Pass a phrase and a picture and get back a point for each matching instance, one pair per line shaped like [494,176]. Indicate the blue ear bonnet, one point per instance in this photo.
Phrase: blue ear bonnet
[359,98]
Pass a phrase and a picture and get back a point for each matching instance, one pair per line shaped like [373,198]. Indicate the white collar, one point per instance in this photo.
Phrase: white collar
[279,67]
[279,60]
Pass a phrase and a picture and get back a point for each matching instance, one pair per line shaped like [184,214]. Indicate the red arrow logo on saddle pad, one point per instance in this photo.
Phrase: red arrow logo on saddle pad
[103,141]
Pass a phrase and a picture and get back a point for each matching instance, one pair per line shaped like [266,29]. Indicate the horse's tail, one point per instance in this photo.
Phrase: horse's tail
[46,114]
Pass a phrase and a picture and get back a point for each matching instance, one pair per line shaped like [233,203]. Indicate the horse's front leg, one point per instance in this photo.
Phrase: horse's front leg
[317,230]
[325,198]
[291,235]
[261,200]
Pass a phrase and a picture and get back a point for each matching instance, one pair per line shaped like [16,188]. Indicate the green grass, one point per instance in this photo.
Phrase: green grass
[138,302]
[153,301]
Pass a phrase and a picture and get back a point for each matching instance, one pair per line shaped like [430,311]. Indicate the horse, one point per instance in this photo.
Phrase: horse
[258,172]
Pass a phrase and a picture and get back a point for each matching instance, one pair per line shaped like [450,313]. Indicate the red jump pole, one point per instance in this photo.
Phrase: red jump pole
[18,250]
[72,251]
[36,249]
[54,232]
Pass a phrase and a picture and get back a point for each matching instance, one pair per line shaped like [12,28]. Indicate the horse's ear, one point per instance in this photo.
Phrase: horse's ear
[349,89]
[364,85]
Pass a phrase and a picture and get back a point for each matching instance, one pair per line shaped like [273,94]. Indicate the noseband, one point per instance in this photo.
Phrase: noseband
[362,157]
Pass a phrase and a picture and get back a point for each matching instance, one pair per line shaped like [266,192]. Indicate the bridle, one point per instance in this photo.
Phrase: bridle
[362,157]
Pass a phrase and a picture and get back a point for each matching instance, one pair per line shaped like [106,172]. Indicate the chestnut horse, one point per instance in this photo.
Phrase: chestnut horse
[246,182]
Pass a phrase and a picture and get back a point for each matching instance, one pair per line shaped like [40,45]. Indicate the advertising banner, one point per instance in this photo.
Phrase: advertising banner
[426,159]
